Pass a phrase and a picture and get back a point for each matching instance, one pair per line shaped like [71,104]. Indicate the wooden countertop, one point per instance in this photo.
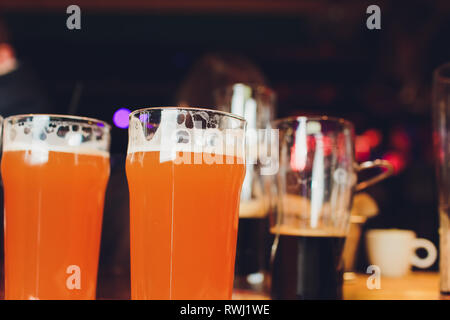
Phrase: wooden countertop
[414,286]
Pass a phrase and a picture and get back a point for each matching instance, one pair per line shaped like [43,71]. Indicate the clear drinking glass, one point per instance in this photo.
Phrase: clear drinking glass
[255,103]
[441,136]
[185,168]
[54,170]
[316,182]
[2,262]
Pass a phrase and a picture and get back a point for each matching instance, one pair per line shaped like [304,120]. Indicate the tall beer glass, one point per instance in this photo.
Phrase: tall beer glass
[316,181]
[185,169]
[2,255]
[55,170]
[441,115]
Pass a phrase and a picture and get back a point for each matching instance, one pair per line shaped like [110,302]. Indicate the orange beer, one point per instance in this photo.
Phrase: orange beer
[53,194]
[183,217]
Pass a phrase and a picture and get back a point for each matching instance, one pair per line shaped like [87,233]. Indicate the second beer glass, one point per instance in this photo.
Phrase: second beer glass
[185,169]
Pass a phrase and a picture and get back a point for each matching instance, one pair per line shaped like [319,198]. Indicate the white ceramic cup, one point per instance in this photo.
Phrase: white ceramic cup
[394,251]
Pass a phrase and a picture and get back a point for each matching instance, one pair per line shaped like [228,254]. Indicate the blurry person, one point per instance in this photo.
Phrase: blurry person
[214,71]
[20,91]
[8,62]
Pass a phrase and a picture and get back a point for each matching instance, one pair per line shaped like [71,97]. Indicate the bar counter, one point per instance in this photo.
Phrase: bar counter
[414,286]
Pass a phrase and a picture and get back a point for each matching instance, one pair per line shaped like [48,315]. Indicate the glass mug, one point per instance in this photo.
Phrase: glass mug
[316,181]
[55,170]
[441,135]
[185,168]
[255,103]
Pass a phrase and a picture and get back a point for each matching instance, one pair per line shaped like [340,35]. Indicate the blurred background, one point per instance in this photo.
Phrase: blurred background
[317,55]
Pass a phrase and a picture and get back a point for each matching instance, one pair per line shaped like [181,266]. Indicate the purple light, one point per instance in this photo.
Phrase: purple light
[120,118]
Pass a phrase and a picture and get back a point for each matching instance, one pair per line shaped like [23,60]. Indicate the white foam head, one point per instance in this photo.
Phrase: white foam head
[44,133]
[171,135]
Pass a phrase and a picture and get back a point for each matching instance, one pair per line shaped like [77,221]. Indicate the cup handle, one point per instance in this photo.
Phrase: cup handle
[429,259]
[373,164]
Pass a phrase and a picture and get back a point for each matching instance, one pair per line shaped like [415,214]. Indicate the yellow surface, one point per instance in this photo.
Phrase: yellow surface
[414,286]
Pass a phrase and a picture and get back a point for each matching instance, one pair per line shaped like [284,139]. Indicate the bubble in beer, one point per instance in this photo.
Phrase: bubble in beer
[97,132]
[62,131]
[182,136]
[180,118]
[49,129]
[87,130]
[200,120]
[87,133]
[189,123]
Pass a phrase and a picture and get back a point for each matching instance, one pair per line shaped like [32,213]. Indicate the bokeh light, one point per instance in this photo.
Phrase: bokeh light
[120,118]
[396,159]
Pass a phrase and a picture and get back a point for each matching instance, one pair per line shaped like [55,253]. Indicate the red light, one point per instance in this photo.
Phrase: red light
[397,160]
[374,137]
[362,148]
[400,140]
[299,158]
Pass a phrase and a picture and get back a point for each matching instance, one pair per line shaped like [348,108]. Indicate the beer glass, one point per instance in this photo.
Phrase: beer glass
[316,181]
[441,117]
[2,261]
[54,169]
[256,103]
[185,168]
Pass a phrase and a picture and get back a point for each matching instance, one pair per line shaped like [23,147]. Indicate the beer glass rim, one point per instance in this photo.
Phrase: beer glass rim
[180,108]
[438,73]
[313,118]
[61,117]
